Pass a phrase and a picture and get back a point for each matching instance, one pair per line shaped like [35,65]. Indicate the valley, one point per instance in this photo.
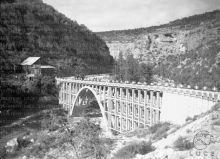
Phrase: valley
[144,93]
[184,50]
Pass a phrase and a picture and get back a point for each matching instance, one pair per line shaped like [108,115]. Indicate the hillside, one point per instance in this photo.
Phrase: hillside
[54,134]
[174,142]
[32,28]
[186,50]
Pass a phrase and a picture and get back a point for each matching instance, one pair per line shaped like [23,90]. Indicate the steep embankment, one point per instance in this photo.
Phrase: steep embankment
[185,50]
[32,28]
[198,138]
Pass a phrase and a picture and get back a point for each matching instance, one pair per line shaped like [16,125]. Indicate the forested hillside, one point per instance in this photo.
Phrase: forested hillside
[32,28]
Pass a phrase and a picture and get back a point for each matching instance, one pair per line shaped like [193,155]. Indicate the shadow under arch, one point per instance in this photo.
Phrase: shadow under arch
[98,101]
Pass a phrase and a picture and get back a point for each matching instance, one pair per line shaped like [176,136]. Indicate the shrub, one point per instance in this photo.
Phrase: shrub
[182,144]
[134,148]
[216,107]
[48,86]
[156,127]
[188,119]
[23,142]
[159,130]
[45,143]
[86,141]
[141,132]
[102,148]
[217,122]
[195,117]
[53,120]
[188,131]
[2,152]
[115,132]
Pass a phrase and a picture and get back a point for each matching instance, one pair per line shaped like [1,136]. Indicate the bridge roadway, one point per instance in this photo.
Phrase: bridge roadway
[124,107]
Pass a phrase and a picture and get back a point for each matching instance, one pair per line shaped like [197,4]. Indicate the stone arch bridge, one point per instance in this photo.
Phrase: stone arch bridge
[125,107]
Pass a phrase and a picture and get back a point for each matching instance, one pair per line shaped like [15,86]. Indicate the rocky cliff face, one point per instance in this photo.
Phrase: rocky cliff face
[180,46]
[168,39]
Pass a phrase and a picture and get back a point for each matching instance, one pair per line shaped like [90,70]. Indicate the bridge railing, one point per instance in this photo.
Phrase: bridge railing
[203,94]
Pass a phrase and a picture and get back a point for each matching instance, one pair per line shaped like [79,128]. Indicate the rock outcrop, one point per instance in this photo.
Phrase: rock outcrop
[174,48]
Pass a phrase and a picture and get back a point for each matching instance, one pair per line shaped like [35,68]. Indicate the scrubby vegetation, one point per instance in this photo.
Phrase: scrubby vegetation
[129,151]
[53,120]
[216,123]
[140,133]
[159,130]
[190,72]
[55,132]
[156,131]
[87,142]
[216,107]
[182,144]
[17,100]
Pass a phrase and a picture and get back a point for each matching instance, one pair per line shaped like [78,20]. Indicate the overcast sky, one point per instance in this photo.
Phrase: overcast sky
[104,15]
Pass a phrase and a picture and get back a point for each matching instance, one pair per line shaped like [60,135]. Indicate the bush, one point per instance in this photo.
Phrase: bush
[188,119]
[86,141]
[134,148]
[53,120]
[188,131]
[140,133]
[115,132]
[159,130]
[45,143]
[2,152]
[182,144]
[195,117]
[217,122]
[216,107]
[23,142]
[156,127]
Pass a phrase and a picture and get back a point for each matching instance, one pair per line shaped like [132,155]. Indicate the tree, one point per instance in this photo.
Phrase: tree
[86,141]
[119,67]
[80,70]
[131,68]
[146,72]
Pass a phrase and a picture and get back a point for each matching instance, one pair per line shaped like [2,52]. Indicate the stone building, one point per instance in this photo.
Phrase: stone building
[34,69]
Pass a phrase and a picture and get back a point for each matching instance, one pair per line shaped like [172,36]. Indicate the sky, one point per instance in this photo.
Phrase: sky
[105,15]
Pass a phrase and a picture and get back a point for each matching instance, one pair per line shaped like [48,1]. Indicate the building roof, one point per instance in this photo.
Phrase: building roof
[46,66]
[30,61]
[30,75]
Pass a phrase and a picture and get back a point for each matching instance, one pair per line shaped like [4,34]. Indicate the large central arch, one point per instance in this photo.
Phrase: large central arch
[98,101]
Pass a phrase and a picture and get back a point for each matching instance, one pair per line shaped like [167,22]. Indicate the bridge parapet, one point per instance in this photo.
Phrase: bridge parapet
[202,94]
[126,106]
